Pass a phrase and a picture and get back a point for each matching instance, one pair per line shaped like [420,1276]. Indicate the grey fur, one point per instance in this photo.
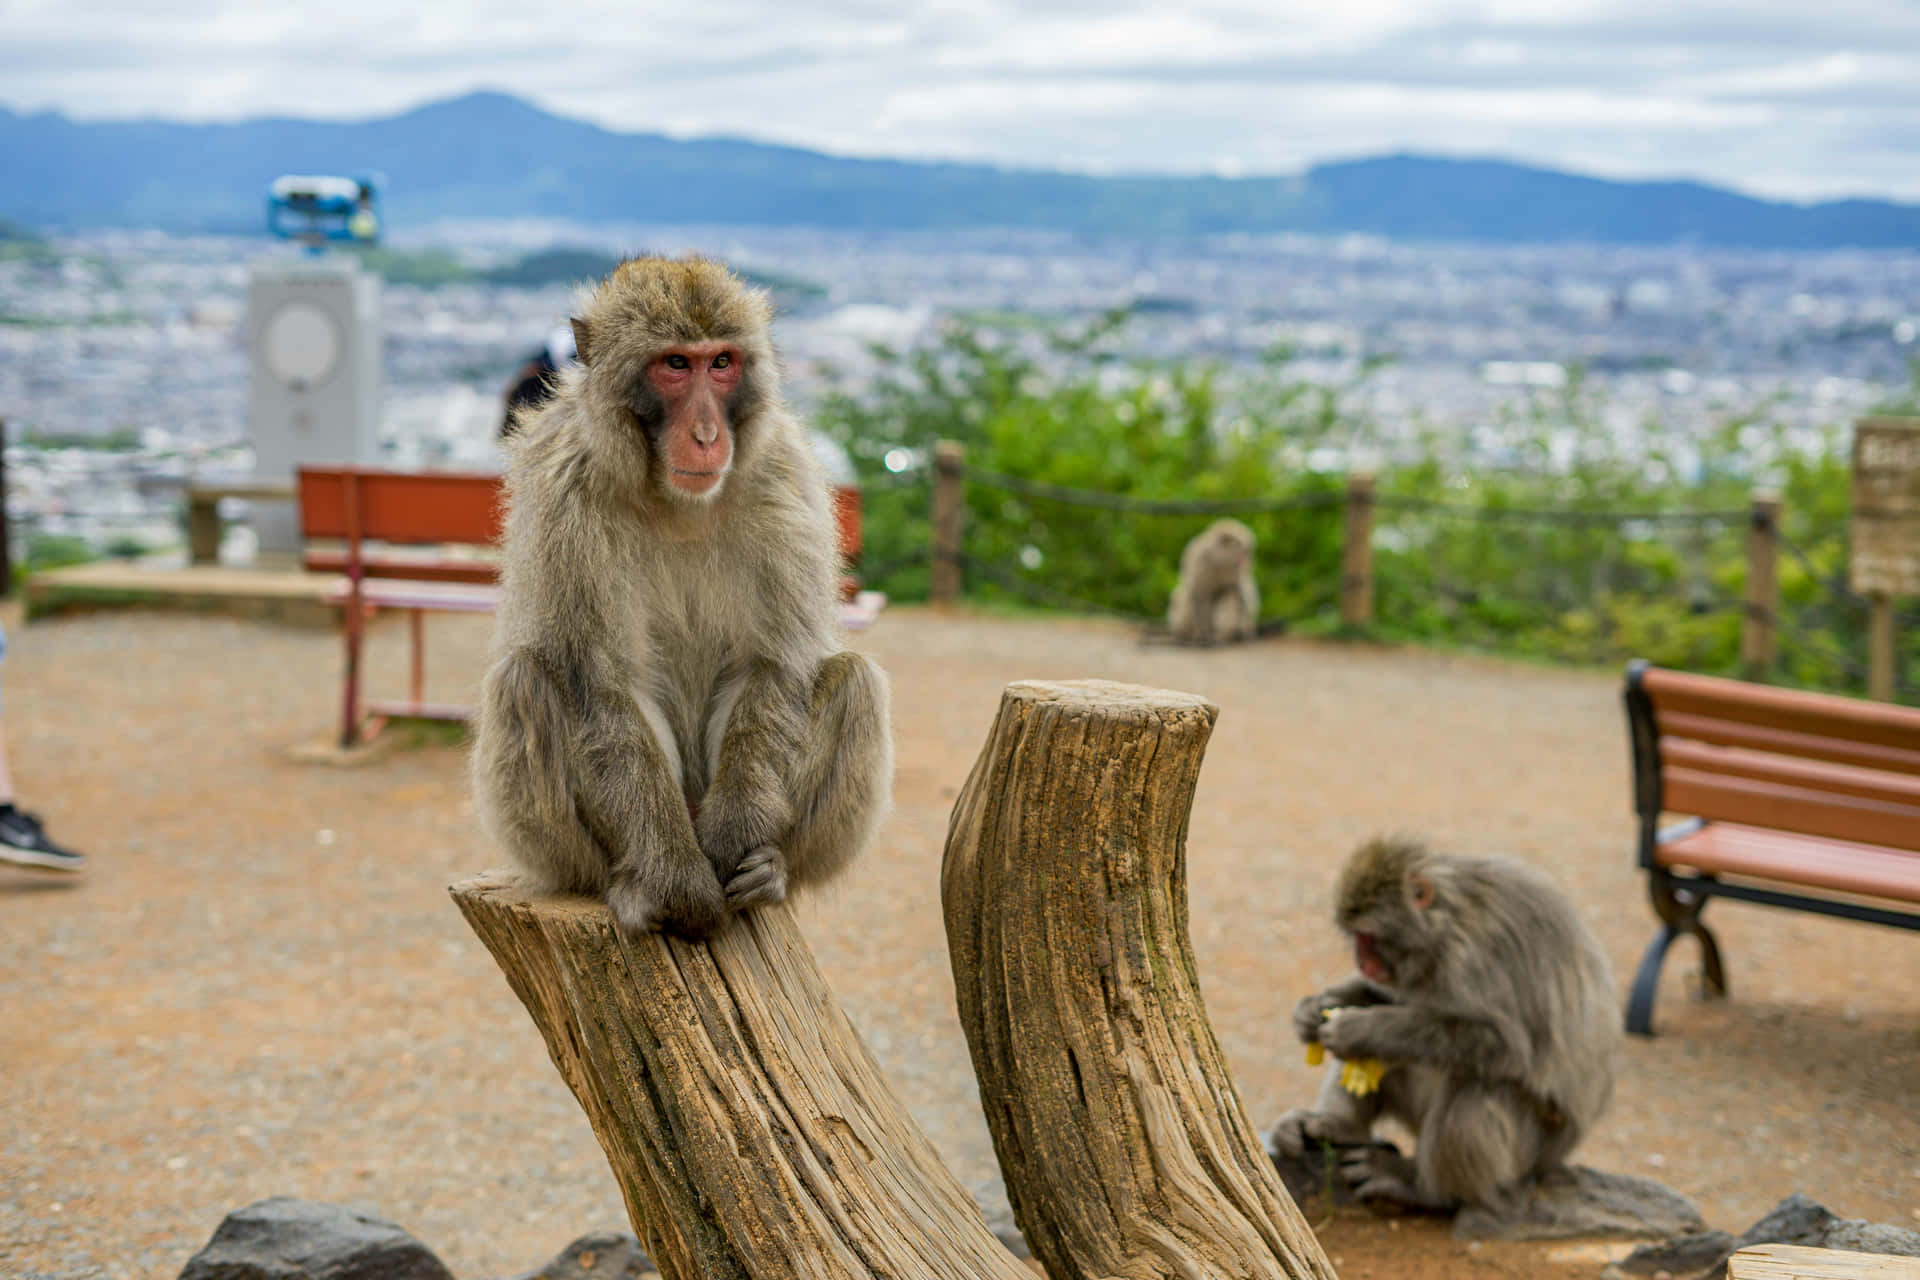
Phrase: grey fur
[1215,599]
[1500,1029]
[656,652]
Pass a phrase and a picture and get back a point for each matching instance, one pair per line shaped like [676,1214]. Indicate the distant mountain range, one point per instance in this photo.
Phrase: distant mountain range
[491,155]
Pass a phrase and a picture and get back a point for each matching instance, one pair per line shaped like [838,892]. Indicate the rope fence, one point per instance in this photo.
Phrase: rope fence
[1824,636]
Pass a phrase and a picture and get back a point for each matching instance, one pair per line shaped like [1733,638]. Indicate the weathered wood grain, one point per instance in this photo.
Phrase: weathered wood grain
[1798,1262]
[749,1128]
[1126,1150]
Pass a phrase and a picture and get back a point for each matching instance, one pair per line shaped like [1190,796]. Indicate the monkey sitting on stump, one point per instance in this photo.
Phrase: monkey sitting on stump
[1215,600]
[1494,1011]
[667,721]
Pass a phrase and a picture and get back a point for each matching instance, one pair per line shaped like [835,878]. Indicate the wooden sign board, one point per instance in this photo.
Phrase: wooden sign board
[1885,556]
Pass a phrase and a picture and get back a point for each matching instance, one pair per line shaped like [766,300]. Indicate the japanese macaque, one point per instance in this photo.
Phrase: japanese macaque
[1493,1010]
[1215,600]
[667,721]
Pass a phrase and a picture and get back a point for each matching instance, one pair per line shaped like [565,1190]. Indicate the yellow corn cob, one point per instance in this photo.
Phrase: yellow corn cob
[1359,1077]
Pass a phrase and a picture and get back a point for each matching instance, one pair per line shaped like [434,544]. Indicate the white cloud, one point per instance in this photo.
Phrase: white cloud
[1773,97]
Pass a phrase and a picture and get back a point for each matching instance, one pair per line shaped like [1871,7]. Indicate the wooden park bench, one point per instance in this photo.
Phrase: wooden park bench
[427,540]
[1799,800]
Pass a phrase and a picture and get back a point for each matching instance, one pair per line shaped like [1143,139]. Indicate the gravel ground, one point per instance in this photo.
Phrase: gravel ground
[260,987]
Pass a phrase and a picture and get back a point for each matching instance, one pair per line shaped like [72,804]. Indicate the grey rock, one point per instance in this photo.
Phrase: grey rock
[1681,1256]
[601,1255]
[1575,1201]
[1798,1219]
[287,1239]
[1873,1237]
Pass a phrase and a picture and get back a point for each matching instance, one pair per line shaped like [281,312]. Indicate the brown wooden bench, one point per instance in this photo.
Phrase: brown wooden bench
[413,540]
[1800,800]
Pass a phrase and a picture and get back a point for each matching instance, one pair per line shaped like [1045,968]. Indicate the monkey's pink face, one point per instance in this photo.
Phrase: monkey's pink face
[1366,958]
[696,382]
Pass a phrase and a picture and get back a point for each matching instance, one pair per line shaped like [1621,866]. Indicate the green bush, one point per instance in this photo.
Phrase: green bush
[1580,546]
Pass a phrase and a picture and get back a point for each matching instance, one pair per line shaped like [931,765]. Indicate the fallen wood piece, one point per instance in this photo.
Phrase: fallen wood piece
[1125,1149]
[1798,1262]
[749,1128]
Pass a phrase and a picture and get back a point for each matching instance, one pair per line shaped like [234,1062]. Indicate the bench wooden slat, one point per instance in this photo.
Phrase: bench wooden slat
[1820,715]
[1733,733]
[1772,804]
[403,506]
[1768,766]
[1838,866]
[396,593]
[435,569]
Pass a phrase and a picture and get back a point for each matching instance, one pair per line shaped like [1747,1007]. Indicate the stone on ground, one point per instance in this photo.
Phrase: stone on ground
[283,1238]
[602,1255]
[1797,1220]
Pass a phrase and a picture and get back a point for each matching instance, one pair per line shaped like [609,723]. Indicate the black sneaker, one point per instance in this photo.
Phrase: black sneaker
[23,843]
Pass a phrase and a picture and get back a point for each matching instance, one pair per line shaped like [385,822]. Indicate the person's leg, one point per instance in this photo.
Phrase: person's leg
[22,841]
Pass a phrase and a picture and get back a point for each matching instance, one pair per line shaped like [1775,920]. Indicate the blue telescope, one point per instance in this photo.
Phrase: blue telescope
[321,209]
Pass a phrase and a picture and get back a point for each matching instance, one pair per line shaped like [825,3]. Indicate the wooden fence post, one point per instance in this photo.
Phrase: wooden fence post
[748,1126]
[1880,654]
[1763,586]
[949,476]
[1123,1143]
[1356,561]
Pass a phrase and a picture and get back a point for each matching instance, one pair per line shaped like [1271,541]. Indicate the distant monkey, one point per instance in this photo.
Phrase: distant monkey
[1494,1010]
[667,721]
[1215,600]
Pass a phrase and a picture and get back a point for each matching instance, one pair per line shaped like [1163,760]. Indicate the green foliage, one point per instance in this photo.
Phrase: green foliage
[57,551]
[553,266]
[1050,406]
[119,440]
[426,268]
[1579,546]
[20,243]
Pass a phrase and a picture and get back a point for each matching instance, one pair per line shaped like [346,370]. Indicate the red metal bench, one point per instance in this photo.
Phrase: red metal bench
[437,534]
[1792,799]
[455,515]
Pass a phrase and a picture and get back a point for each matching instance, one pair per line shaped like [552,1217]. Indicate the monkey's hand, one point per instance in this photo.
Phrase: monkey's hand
[1383,1179]
[681,896]
[1303,1129]
[1354,1034]
[1311,1013]
[759,881]
[733,826]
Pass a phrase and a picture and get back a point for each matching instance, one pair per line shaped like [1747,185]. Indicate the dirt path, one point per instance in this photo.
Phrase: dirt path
[260,986]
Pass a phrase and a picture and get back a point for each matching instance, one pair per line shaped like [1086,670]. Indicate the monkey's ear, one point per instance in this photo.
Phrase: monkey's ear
[582,340]
[1419,890]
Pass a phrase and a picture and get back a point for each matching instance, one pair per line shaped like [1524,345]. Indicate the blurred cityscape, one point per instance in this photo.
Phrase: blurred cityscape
[124,370]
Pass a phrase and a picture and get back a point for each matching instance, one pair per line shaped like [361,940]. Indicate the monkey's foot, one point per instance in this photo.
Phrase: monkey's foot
[1384,1180]
[759,881]
[691,906]
[1302,1129]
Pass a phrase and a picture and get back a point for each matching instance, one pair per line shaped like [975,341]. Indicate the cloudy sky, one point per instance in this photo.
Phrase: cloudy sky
[1793,100]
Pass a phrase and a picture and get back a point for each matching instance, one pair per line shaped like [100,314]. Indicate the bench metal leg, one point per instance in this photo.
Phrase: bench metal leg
[350,711]
[417,622]
[1679,911]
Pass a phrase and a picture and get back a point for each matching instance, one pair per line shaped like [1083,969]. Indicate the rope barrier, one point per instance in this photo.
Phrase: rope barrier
[1152,506]
[1549,515]
[1032,590]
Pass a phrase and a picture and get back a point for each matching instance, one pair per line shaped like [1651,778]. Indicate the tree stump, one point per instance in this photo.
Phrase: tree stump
[1125,1148]
[749,1127]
